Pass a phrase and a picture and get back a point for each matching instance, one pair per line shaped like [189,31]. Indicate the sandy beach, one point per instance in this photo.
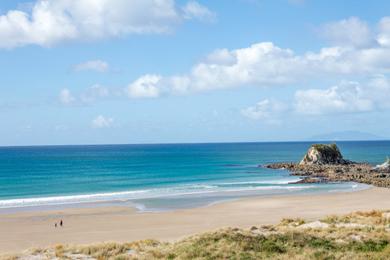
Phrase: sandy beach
[20,231]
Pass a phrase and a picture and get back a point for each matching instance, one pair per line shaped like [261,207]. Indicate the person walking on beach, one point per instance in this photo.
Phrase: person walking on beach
[55,225]
[61,223]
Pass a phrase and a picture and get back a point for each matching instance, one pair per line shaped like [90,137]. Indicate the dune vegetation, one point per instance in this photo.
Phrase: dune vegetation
[360,235]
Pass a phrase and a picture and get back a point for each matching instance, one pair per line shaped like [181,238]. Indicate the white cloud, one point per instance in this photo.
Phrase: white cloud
[346,97]
[348,32]
[267,110]
[260,64]
[195,10]
[91,94]
[66,97]
[383,37]
[264,64]
[53,21]
[92,65]
[144,87]
[221,56]
[102,122]
[378,89]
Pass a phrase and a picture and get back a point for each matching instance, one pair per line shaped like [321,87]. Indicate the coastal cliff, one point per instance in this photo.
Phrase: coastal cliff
[325,163]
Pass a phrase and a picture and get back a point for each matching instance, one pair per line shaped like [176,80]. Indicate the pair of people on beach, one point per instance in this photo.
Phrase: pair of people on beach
[61,223]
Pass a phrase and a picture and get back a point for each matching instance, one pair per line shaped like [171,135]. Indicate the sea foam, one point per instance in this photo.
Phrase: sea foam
[183,190]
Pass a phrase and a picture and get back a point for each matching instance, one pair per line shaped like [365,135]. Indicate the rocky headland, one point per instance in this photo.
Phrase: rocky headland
[325,163]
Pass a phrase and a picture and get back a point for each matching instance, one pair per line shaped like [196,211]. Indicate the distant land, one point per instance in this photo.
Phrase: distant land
[347,136]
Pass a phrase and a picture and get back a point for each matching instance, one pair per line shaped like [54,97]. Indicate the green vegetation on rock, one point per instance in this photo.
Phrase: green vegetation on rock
[323,154]
[328,149]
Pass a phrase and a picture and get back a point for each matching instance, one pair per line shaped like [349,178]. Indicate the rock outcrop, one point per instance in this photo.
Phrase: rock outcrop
[323,154]
[324,163]
[384,167]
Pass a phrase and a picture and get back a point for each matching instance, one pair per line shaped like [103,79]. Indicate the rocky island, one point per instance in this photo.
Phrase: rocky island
[325,163]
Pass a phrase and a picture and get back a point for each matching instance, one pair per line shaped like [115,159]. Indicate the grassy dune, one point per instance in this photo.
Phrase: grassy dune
[360,235]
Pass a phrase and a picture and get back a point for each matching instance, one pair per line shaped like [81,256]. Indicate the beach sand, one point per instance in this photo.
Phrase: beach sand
[20,231]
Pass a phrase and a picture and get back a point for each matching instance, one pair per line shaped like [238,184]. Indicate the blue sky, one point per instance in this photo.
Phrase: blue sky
[157,71]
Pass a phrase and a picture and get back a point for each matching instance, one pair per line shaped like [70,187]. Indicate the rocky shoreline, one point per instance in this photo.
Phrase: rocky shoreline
[317,167]
[357,172]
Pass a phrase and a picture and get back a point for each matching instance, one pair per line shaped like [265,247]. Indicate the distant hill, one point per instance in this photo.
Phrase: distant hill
[347,136]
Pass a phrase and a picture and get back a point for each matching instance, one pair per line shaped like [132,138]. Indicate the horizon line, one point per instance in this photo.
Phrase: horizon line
[194,143]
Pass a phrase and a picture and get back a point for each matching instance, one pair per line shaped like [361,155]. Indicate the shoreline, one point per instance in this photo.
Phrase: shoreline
[138,206]
[33,229]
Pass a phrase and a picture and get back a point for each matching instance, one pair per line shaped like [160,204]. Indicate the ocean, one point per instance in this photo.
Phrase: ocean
[160,177]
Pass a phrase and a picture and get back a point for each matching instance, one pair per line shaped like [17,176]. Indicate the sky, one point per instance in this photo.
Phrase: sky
[166,71]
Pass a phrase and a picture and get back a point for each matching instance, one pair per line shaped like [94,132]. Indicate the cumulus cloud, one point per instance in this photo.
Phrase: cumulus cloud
[66,97]
[346,97]
[264,64]
[348,32]
[266,110]
[92,65]
[383,37]
[144,87]
[195,10]
[53,21]
[102,122]
[259,64]
[90,94]
[378,89]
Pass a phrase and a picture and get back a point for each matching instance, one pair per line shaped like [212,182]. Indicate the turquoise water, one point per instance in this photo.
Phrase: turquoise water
[160,177]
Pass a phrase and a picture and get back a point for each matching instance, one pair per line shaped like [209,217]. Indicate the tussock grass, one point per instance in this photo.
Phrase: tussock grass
[359,235]
[292,222]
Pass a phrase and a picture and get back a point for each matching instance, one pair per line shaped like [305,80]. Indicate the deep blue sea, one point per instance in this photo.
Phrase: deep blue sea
[161,176]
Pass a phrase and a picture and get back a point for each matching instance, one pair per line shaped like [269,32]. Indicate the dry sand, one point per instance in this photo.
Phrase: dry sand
[20,231]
